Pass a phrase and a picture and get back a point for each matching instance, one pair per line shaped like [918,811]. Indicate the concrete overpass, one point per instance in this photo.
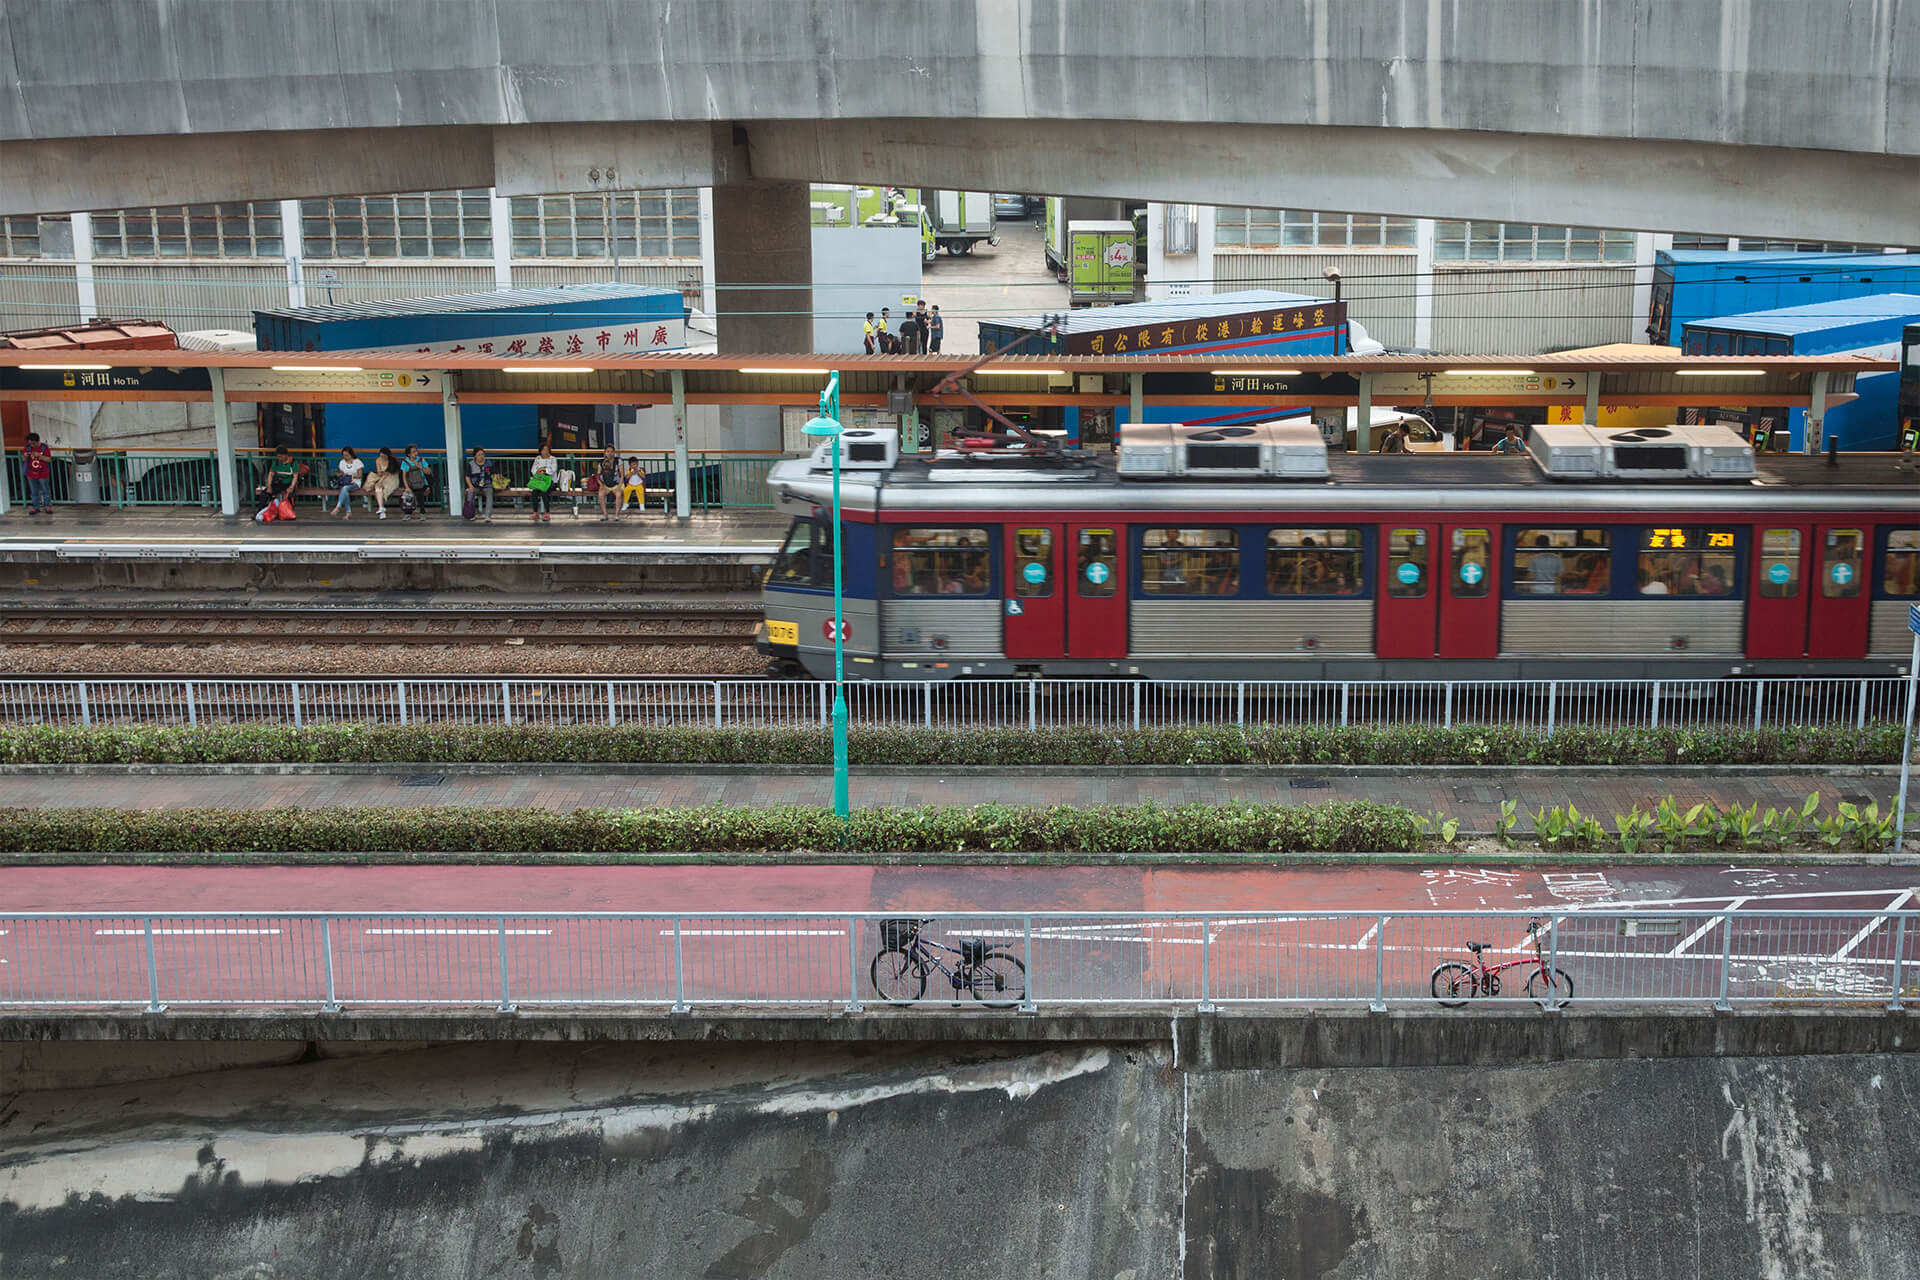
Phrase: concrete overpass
[1753,117]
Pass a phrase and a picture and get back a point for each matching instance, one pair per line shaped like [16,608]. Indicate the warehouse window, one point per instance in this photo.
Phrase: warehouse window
[189,231]
[645,224]
[423,224]
[20,237]
[1308,229]
[1700,242]
[1523,242]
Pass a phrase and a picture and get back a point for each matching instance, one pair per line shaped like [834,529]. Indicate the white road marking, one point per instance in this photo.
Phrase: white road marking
[757,933]
[1872,925]
[482,933]
[194,933]
[1686,943]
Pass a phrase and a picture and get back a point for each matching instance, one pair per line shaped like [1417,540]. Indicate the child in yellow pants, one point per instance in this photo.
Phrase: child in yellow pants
[634,485]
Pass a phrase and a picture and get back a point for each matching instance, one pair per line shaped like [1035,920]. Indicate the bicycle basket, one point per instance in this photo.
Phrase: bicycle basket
[972,950]
[897,934]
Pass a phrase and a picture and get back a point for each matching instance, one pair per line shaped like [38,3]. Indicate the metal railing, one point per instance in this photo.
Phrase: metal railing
[1054,960]
[1541,706]
[190,477]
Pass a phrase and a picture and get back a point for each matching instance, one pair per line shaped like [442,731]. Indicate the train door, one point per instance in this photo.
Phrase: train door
[1777,596]
[1096,605]
[1035,612]
[1405,626]
[1081,615]
[1470,600]
[1839,600]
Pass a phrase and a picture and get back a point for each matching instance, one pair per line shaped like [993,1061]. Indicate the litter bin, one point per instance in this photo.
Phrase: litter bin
[86,479]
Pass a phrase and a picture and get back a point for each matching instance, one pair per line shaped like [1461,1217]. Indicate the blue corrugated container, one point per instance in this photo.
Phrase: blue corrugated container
[1690,285]
[611,318]
[1867,325]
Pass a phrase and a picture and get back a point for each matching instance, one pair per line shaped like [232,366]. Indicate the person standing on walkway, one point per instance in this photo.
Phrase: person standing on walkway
[920,326]
[866,331]
[39,476]
[881,334]
[909,335]
[479,483]
[936,330]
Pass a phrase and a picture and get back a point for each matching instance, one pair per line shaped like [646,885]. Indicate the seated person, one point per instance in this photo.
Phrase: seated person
[281,476]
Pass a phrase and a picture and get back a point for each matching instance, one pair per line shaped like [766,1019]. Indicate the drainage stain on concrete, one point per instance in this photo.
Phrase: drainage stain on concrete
[538,1244]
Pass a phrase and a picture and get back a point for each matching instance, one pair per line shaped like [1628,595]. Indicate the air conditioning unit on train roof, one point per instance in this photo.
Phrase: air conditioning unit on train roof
[867,449]
[1264,450]
[1577,452]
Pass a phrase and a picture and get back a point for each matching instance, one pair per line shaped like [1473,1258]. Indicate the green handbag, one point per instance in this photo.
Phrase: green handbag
[540,482]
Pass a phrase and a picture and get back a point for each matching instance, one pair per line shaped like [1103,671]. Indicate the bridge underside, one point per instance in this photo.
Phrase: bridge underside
[1514,177]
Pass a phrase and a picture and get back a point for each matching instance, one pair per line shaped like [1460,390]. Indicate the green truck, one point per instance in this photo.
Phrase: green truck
[1100,263]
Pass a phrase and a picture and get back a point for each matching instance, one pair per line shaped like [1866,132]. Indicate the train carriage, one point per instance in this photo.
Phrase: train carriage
[1203,554]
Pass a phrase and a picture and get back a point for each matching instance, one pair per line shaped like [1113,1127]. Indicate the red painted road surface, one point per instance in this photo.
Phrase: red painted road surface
[711,934]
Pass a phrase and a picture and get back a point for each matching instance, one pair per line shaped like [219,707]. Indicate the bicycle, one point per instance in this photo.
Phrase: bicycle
[1455,983]
[907,958]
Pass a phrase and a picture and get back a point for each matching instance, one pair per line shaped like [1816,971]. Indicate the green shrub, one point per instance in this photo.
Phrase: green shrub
[1341,827]
[596,744]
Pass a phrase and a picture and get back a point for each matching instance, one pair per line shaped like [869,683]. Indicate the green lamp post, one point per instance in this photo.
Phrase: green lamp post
[827,426]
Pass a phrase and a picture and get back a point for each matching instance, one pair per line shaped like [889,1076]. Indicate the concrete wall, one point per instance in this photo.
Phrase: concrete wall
[857,270]
[1334,1147]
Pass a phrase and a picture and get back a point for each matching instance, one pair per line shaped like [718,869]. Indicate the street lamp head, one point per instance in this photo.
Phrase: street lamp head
[1331,273]
[822,427]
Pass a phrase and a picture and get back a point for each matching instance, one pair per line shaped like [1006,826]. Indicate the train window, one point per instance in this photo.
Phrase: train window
[1314,562]
[1032,563]
[1690,561]
[1407,563]
[1840,564]
[1780,564]
[1097,564]
[1469,576]
[1900,575]
[1563,562]
[805,559]
[1189,562]
[940,562]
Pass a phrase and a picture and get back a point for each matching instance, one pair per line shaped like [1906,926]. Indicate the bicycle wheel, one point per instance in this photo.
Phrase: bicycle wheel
[999,981]
[1537,986]
[897,977]
[1453,984]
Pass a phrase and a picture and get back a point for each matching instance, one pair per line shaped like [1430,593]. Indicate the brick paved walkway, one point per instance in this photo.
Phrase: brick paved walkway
[1472,797]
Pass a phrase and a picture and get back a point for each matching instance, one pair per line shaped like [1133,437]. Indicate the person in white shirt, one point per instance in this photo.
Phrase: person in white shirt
[544,464]
[346,477]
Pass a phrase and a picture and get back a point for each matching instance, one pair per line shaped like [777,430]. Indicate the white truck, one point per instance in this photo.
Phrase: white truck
[961,219]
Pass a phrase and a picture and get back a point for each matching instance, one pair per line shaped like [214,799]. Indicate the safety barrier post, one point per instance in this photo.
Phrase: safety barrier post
[1759,701]
[193,709]
[1240,705]
[506,996]
[326,950]
[613,715]
[86,707]
[293,689]
[1447,720]
[1899,958]
[153,970]
[506,703]
[853,963]
[400,690]
[927,689]
[680,1004]
[1136,705]
[716,704]
[1860,721]
[1206,964]
[1033,706]
[1724,1003]
[1380,965]
[1655,711]
[1346,689]
[1553,703]
[1026,958]
[1553,962]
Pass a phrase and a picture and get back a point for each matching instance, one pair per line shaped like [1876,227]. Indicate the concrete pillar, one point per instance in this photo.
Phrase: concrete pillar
[682,475]
[452,483]
[223,445]
[763,264]
[1363,443]
[83,266]
[1136,401]
[1817,415]
[500,211]
[293,246]
[1592,418]
[1423,283]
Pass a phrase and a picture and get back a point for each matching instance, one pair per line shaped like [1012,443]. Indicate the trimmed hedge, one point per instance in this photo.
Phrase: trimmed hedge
[589,744]
[1337,827]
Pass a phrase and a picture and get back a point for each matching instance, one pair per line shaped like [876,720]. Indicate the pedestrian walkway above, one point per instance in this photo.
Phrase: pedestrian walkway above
[1473,796]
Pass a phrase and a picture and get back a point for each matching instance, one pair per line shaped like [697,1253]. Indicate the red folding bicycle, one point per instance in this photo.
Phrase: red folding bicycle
[1455,983]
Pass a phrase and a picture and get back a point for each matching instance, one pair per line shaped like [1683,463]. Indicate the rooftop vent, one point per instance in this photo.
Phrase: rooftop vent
[1642,453]
[867,449]
[1264,450]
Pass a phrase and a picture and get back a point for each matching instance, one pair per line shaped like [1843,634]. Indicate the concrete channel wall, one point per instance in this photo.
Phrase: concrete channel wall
[1127,1145]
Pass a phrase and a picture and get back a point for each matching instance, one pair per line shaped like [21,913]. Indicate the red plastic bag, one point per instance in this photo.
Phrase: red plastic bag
[282,509]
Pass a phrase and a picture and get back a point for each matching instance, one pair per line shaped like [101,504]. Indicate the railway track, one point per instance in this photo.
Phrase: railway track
[324,625]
